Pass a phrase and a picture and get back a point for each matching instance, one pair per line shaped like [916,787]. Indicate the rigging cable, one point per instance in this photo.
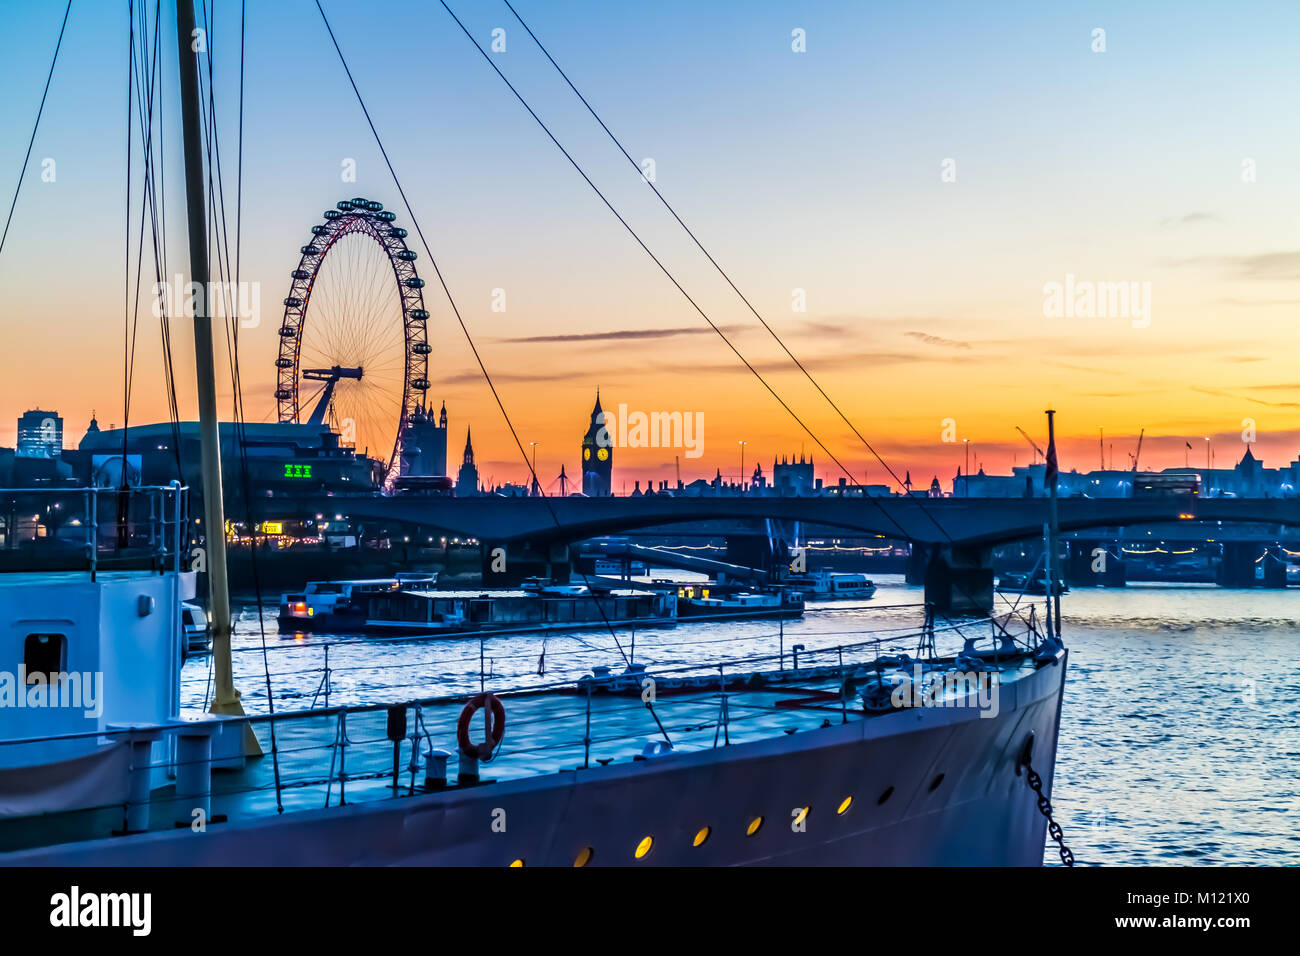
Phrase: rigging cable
[890,518]
[743,298]
[455,309]
[231,287]
[158,212]
[35,126]
[124,494]
[664,269]
[144,101]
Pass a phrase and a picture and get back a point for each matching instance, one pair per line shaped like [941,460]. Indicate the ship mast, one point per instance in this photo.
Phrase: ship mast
[225,698]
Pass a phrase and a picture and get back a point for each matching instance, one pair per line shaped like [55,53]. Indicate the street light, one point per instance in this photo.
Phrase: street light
[742,464]
[966,484]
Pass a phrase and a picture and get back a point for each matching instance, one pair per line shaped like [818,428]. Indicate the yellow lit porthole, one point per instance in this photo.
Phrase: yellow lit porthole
[701,836]
[754,826]
[517,863]
[801,816]
[583,858]
[644,846]
[844,806]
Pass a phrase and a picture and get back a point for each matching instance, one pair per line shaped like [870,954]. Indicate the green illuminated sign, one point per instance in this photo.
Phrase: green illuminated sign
[297,471]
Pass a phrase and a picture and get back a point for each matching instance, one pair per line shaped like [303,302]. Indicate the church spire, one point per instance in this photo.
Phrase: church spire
[469,448]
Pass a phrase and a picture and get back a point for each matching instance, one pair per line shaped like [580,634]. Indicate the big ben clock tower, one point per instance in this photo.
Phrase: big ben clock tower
[597,455]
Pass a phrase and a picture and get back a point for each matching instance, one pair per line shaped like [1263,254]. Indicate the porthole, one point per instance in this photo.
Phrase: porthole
[934,784]
[701,836]
[843,808]
[889,792]
[583,858]
[644,846]
[754,826]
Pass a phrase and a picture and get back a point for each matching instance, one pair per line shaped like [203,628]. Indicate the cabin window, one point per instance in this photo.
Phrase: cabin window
[45,654]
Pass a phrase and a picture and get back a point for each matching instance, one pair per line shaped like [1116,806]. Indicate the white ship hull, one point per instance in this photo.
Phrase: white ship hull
[930,786]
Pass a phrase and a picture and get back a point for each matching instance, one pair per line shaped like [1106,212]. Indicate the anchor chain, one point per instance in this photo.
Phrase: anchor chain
[1045,808]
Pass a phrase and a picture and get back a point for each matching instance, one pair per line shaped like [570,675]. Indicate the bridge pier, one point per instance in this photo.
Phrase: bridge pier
[757,551]
[1092,564]
[1241,558]
[1237,567]
[918,559]
[506,564]
[957,579]
[1274,568]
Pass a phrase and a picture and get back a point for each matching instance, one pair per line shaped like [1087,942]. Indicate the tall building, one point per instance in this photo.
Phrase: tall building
[467,479]
[40,435]
[793,478]
[424,447]
[597,456]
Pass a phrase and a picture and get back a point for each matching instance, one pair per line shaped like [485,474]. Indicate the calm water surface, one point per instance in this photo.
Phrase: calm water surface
[1180,737]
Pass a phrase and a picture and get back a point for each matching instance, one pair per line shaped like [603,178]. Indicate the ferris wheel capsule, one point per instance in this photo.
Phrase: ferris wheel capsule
[397,231]
[421,383]
[332,214]
[414,283]
[374,206]
[344,205]
[387,216]
[408,255]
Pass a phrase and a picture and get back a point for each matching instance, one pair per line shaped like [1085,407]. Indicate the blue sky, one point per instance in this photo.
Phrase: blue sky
[817,170]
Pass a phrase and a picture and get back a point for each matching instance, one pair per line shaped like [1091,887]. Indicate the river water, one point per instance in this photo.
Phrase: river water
[1180,735]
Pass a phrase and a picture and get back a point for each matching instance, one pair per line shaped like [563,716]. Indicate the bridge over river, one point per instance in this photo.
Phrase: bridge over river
[952,538]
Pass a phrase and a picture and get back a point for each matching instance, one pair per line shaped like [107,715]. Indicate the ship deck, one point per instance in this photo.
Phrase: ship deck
[559,728]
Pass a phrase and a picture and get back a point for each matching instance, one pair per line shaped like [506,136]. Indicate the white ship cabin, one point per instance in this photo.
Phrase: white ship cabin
[90,652]
[79,656]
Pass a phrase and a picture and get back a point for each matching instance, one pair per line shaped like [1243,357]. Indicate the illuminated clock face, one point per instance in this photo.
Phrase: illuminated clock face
[602,454]
[586,454]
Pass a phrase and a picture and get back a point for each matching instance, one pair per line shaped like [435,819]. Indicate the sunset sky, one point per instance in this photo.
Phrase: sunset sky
[1172,158]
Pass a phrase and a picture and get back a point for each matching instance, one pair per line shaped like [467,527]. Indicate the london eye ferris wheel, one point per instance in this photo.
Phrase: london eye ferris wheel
[354,349]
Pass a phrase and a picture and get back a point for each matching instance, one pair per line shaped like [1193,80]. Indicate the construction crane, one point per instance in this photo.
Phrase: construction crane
[1138,452]
[1032,444]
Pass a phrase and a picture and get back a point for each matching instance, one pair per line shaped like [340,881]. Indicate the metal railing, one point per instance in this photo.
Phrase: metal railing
[94,529]
[310,671]
[329,755]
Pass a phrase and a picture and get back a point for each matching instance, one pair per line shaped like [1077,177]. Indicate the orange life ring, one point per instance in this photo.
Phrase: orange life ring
[494,726]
